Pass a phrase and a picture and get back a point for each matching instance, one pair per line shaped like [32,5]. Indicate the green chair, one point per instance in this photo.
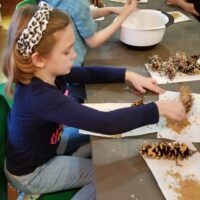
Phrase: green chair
[26,2]
[9,100]
[4,110]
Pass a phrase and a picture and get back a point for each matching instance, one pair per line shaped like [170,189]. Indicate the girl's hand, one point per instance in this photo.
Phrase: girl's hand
[142,83]
[173,110]
[129,6]
[175,2]
[104,34]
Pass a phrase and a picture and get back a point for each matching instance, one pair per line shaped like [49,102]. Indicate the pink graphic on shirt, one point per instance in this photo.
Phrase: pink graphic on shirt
[55,137]
[66,93]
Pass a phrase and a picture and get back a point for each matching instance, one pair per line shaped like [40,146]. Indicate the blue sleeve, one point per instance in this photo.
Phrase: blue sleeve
[79,11]
[53,106]
[96,75]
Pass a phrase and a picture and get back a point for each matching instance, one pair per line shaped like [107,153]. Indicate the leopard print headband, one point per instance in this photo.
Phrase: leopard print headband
[32,34]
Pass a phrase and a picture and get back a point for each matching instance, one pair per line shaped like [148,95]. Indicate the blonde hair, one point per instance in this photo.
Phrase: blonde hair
[19,69]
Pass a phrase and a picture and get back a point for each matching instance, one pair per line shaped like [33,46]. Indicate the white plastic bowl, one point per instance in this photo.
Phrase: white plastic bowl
[144,27]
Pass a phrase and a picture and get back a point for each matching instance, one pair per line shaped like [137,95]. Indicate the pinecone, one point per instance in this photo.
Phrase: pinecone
[170,70]
[138,103]
[167,150]
[186,98]
[155,63]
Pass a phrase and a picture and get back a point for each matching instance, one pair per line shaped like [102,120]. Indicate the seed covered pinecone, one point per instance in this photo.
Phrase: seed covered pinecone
[155,63]
[170,70]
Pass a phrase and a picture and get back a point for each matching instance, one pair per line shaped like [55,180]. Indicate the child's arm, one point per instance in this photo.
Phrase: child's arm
[102,12]
[189,7]
[103,35]
[112,75]
[141,83]
[97,74]
[53,106]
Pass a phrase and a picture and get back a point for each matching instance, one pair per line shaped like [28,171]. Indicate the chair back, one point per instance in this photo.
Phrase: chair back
[25,2]
[4,110]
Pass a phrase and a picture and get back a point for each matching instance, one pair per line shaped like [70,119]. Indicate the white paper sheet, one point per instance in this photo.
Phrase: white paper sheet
[190,133]
[180,77]
[167,183]
[124,1]
[179,16]
[112,106]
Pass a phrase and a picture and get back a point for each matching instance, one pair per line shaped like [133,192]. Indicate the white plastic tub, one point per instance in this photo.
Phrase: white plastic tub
[144,27]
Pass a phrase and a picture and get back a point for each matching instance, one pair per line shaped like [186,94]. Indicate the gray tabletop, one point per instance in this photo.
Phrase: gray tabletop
[120,172]
[183,36]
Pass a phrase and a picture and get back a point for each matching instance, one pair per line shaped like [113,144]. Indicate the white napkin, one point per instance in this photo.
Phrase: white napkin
[180,77]
[124,1]
[179,16]
[165,172]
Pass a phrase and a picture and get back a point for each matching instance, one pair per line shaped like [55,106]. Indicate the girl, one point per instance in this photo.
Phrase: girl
[38,59]
[85,29]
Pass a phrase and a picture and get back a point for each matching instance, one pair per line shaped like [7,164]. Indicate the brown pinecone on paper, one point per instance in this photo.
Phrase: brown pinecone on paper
[187,100]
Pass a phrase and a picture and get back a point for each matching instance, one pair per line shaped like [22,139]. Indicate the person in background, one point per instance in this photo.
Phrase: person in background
[85,28]
[191,6]
[39,61]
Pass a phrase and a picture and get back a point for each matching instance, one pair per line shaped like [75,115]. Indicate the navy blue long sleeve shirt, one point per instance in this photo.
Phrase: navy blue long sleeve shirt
[40,110]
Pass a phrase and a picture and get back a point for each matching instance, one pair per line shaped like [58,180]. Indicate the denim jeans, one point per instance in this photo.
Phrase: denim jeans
[61,172]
